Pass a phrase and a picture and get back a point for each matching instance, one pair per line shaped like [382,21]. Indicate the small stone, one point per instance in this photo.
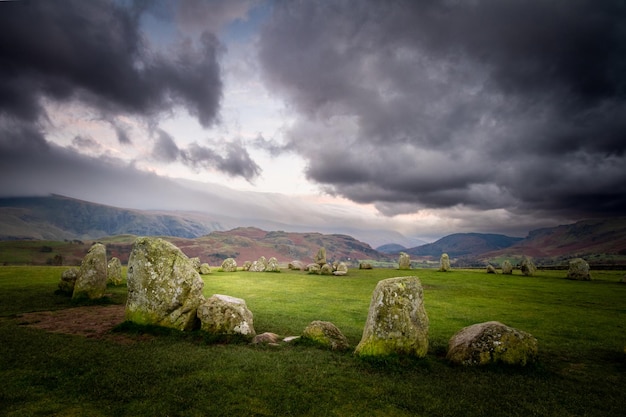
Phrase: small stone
[326,334]
[266,337]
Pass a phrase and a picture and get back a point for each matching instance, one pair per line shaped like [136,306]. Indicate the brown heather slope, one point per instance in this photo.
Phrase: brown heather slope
[600,239]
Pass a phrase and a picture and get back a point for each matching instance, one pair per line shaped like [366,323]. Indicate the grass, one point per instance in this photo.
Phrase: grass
[579,325]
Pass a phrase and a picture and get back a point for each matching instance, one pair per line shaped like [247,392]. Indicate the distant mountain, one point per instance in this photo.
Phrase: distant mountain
[58,218]
[595,237]
[391,248]
[464,245]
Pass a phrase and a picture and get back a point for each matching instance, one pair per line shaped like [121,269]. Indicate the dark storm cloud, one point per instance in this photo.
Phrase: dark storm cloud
[236,162]
[432,104]
[94,52]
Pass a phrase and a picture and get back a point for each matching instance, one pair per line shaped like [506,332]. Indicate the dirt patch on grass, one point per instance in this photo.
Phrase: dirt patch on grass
[89,321]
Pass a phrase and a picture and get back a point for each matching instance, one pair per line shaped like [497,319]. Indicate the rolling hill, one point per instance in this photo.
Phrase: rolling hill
[464,245]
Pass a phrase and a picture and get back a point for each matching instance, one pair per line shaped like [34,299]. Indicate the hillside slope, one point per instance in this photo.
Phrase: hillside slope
[585,238]
[464,245]
[60,218]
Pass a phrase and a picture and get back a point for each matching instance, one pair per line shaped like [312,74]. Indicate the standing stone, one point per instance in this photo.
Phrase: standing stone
[164,288]
[325,334]
[444,263]
[314,268]
[246,266]
[578,270]
[527,267]
[492,342]
[326,269]
[92,279]
[229,265]
[296,266]
[397,322]
[507,268]
[320,258]
[196,263]
[342,269]
[491,269]
[257,266]
[114,271]
[68,280]
[365,265]
[404,261]
[205,269]
[223,314]
[272,265]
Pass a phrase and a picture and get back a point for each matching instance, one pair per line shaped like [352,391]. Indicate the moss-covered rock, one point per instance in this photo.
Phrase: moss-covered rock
[226,315]
[272,265]
[92,278]
[578,270]
[205,269]
[326,269]
[492,342]
[326,334]
[313,268]
[397,322]
[164,288]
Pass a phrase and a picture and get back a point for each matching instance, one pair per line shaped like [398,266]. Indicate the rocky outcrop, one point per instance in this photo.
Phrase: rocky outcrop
[226,315]
[114,272]
[492,342]
[578,270]
[397,322]
[326,334]
[91,282]
[164,288]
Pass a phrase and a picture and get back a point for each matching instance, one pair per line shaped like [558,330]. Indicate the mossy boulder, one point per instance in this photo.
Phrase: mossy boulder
[164,288]
[325,334]
[226,315]
[404,261]
[444,263]
[397,322]
[257,266]
[578,270]
[326,269]
[229,265]
[492,342]
[114,271]
[507,268]
[196,263]
[91,282]
[313,268]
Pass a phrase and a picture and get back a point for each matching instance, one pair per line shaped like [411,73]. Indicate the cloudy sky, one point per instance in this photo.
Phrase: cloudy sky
[424,117]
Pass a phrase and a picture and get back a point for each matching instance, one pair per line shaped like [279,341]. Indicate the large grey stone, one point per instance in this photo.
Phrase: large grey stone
[223,314]
[492,342]
[578,270]
[397,322]
[92,278]
[114,271]
[164,287]
[326,334]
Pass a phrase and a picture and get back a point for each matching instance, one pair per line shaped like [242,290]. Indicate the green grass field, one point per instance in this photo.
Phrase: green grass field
[579,326]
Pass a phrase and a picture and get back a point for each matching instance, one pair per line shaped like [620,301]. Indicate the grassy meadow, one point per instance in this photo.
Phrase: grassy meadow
[580,327]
